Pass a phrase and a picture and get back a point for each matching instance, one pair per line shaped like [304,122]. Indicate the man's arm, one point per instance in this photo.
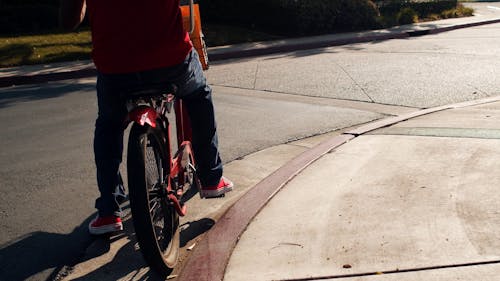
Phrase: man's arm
[71,13]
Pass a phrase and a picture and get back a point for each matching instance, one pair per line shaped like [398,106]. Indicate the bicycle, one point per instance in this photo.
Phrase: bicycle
[159,182]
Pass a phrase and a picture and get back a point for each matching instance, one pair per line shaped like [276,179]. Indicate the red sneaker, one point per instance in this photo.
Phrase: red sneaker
[104,225]
[224,186]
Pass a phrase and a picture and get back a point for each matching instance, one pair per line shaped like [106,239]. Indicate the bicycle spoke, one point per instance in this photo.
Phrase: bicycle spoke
[154,204]
[156,213]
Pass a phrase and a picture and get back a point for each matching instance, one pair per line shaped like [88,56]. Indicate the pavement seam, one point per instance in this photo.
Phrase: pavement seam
[393,120]
[343,102]
[396,271]
[440,132]
[209,259]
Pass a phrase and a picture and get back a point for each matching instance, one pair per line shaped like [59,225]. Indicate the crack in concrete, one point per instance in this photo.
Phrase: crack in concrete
[255,75]
[395,271]
[355,82]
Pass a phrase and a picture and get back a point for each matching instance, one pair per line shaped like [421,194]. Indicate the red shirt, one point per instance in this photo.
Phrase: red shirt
[131,36]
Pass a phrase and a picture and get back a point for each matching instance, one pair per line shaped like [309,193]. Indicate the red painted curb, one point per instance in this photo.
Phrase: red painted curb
[209,259]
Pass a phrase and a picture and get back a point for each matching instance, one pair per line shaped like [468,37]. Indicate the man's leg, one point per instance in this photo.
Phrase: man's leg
[197,96]
[108,149]
[205,140]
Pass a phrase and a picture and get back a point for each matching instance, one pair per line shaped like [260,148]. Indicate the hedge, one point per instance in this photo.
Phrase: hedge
[34,18]
[292,16]
[22,16]
[286,17]
[423,8]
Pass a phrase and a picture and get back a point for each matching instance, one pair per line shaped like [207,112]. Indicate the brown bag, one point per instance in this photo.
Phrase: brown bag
[196,35]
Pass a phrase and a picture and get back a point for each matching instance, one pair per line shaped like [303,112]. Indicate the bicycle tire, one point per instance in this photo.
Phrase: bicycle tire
[156,222]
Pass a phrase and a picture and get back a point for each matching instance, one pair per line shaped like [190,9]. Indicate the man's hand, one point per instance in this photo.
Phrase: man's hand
[71,13]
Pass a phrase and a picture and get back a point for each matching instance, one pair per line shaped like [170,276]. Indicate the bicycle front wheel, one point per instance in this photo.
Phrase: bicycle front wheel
[156,222]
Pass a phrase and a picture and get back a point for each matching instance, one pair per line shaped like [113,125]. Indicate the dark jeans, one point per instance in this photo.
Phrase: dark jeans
[108,139]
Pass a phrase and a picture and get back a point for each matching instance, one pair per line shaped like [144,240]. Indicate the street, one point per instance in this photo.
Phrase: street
[47,170]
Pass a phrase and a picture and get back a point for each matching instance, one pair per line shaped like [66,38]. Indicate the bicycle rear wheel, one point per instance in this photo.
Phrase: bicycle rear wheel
[156,222]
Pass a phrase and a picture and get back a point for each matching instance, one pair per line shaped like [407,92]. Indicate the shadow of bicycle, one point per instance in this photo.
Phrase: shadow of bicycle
[119,258]
[79,256]
[41,255]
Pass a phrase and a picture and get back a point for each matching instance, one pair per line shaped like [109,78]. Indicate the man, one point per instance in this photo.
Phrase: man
[135,44]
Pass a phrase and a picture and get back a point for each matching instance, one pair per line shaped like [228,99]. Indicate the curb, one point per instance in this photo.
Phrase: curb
[256,49]
[285,46]
[289,47]
[465,25]
[210,257]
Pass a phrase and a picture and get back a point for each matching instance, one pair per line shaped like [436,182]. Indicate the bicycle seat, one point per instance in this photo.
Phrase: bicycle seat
[150,90]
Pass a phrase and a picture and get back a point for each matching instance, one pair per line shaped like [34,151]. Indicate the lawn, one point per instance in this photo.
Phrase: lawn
[44,48]
[57,47]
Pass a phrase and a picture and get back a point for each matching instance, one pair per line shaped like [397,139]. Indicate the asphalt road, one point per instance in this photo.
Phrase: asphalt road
[46,163]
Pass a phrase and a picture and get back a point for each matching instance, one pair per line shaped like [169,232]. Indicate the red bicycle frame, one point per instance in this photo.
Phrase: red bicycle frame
[147,115]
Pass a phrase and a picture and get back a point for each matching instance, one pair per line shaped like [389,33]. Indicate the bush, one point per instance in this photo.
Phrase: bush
[292,17]
[394,12]
[28,19]
[282,17]
[433,7]
[357,14]
[422,8]
[407,16]
[28,16]
[460,11]
[309,17]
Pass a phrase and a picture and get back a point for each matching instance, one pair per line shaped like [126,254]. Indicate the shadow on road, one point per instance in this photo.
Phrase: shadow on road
[11,96]
[42,254]
[119,257]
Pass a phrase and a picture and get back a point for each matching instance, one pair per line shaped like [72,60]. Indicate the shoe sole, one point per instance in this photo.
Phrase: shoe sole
[105,229]
[215,193]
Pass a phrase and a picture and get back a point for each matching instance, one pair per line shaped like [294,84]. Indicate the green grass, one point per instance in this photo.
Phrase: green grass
[44,48]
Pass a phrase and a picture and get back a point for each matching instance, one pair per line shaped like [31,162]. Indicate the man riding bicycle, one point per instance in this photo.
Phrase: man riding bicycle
[136,44]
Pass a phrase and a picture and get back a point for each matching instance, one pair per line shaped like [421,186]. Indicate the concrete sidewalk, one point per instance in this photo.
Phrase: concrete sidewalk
[415,200]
